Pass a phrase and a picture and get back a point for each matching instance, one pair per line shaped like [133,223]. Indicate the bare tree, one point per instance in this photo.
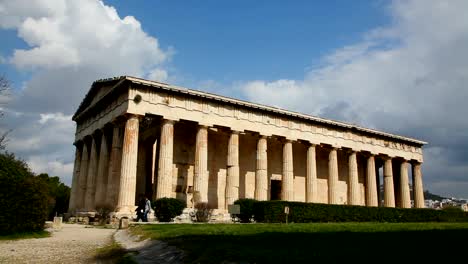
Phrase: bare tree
[4,89]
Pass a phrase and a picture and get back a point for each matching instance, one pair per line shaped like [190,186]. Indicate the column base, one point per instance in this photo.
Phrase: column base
[125,211]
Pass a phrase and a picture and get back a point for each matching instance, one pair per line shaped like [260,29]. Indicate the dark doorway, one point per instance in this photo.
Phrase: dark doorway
[275,190]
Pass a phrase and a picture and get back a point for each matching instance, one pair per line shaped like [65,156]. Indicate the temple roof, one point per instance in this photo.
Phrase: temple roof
[117,81]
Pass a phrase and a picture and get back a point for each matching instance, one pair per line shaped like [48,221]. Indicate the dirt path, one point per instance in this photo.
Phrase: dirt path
[72,244]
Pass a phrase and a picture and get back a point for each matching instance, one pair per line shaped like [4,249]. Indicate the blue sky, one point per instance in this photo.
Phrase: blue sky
[398,66]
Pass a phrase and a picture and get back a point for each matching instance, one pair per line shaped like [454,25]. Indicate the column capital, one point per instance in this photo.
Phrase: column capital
[169,121]
[235,132]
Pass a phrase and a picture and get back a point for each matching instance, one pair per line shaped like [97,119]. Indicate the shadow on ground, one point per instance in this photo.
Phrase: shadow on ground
[325,247]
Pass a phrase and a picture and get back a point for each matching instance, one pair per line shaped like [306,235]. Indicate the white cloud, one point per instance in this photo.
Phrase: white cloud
[159,75]
[408,78]
[70,44]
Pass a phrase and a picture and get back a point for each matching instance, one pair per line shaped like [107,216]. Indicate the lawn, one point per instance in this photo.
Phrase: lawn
[25,235]
[313,242]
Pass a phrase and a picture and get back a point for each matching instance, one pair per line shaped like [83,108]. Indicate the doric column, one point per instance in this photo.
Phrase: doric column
[80,196]
[91,179]
[261,174]
[389,193]
[287,188]
[332,176]
[371,184]
[311,177]
[353,185]
[232,180]
[75,181]
[418,191]
[164,180]
[200,181]
[404,185]
[103,170]
[115,161]
[127,187]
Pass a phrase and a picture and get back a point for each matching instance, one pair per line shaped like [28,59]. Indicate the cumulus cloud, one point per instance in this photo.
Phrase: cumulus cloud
[408,78]
[69,45]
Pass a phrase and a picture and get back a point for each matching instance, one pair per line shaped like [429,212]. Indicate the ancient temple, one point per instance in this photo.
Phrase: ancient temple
[136,137]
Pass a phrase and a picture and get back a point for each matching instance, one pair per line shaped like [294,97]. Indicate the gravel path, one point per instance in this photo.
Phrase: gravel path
[72,244]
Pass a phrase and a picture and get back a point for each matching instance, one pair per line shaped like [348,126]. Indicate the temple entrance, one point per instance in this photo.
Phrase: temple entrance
[275,190]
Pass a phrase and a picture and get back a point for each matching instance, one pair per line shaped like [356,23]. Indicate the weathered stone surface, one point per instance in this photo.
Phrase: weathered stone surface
[418,186]
[389,193]
[200,156]
[126,199]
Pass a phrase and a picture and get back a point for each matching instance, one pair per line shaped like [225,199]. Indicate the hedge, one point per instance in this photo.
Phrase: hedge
[168,208]
[273,212]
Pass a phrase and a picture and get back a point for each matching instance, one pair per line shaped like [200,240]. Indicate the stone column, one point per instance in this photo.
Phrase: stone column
[103,170]
[353,185]
[75,181]
[232,180]
[166,149]
[261,173]
[80,196]
[371,184]
[404,186]
[311,176]
[127,187]
[389,193]
[418,191]
[115,161]
[200,179]
[287,188]
[91,179]
[332,176]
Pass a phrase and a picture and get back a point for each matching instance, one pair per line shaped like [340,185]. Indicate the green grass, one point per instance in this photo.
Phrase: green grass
[113,253]
[313,242]
[26,235]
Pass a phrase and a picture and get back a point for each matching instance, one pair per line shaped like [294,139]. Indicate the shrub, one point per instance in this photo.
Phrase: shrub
[168,208]
[273,212]
[202,212]
[246,209]
[23,197]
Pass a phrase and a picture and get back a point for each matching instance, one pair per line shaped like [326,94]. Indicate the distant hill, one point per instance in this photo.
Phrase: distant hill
[427,194]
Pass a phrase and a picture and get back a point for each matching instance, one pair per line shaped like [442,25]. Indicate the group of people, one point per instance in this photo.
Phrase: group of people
[143,209]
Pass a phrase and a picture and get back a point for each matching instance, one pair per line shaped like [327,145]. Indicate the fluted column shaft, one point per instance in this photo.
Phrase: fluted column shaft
[127,186]
[166,149]
[404,186]
[75,181]
[353,185]
[91,179]
[261,174]
[332,176]
[80,196]
[287,188]
[311,177]
[102,172]
[232,180]
[371,184]
[418,191]
[200,181]
[115,162]
[389,193]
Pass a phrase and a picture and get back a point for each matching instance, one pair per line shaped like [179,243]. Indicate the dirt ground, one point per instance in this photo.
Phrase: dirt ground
[72,244]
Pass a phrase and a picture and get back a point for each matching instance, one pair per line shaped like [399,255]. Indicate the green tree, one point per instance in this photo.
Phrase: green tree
[58,195]
[23,197]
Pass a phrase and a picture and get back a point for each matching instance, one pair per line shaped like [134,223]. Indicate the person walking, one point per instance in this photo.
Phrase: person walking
[147,209]
[140,210]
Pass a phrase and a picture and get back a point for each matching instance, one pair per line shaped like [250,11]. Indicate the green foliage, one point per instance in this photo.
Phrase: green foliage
[168,208]
[23,197]
[203,212]
[59,195]
[246,209]
[273,212]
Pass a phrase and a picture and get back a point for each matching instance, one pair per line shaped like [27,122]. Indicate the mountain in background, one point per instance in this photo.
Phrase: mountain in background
[427,194]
